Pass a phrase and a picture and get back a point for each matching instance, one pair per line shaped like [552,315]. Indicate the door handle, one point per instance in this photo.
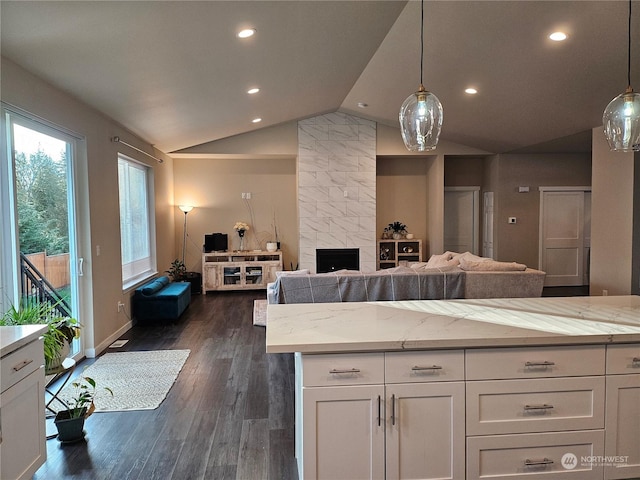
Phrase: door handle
[80,267]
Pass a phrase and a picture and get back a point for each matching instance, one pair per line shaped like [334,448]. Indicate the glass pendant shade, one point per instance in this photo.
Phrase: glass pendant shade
[621,122]
[421,121]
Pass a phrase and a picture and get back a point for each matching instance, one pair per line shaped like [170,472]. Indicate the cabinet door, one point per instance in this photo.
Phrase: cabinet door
[622,440]
[343,432]
[209,278]
[425,430]
[22,445]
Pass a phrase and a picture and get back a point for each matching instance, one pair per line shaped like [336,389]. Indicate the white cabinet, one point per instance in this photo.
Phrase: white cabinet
[344,434]
[22,423]
[413,412]
[535,412]
[367,415]
[622,440]
[239,270]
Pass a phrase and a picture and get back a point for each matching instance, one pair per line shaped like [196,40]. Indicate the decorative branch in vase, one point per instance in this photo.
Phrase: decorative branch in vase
[241,228]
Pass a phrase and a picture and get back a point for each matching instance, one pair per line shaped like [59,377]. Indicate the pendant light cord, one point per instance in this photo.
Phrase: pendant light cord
[422,39]
[629,50]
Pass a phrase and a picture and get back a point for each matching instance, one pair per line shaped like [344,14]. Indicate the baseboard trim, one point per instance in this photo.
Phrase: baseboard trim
[94,352]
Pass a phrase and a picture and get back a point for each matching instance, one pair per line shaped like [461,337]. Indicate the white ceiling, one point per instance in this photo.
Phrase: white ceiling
[174,73]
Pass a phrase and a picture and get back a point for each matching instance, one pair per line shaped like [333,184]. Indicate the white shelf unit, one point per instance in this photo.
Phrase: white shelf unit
[392,253]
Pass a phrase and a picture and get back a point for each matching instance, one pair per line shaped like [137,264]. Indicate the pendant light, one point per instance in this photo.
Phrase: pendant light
[421,113]
[621,118]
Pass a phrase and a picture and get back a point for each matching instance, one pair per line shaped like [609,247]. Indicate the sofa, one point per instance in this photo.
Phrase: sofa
[450,276]
[161,299]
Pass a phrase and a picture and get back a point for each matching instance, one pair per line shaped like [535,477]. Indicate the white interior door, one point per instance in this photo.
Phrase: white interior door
[461,213]
[563,242]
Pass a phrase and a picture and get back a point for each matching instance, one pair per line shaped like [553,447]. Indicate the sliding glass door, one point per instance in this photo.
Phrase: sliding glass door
[39,216]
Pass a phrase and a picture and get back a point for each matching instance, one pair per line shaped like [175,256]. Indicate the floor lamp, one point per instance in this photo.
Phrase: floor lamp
[186,209]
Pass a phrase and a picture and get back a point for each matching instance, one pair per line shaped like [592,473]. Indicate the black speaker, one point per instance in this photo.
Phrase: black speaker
[216,242]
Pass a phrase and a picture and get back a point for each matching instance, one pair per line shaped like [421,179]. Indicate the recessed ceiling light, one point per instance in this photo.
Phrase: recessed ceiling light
[251,91]
[558,36]
[246,33]
[256,120]
[363,105]
[470,91]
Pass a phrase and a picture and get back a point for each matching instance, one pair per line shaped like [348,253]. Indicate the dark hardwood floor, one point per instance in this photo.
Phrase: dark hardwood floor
[230,414]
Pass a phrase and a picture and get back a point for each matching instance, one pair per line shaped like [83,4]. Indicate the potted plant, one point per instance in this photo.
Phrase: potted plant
[61,330]
[70,422]
[177,271]
[396,229]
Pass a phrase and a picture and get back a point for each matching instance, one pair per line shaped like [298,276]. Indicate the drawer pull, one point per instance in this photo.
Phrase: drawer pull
[544,406]
[335,371]
[379,410]
[544,364]
[418,368]
[21,365]
[635,362]
[538,463]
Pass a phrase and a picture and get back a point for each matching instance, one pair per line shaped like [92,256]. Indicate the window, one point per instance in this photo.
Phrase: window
[136,225]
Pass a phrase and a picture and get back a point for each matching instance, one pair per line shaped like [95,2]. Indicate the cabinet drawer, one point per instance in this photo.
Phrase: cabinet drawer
[547,455]
[19,364]
[535,362]
[538,405]
[342,369]
[418,367]
[623,359]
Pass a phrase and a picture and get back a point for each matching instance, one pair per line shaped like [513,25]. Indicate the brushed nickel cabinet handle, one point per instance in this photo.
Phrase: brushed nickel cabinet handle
[544,406]
[335,371]
[418,368]
[393,409]
[21,365]
[379,410]
[536,463]
[539,364]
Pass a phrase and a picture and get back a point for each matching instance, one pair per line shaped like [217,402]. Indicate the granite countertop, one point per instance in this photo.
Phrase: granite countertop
[426,324]
[12,338]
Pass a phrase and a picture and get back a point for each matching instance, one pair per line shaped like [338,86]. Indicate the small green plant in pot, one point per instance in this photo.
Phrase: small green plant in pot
[61,330]
[70,422]
[177,271]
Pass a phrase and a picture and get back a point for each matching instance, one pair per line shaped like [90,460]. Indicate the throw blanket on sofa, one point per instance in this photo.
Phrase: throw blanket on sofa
[400,283]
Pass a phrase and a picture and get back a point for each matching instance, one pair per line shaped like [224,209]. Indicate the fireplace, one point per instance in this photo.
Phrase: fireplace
[331,259]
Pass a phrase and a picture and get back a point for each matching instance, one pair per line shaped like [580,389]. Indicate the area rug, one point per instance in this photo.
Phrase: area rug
[139,380]
[260,313]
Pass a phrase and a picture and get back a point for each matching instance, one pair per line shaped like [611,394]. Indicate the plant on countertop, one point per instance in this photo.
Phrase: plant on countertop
[177,271]
[396,227]
[60,329]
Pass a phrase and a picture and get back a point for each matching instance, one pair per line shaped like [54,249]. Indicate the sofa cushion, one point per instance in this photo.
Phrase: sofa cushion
[491,266]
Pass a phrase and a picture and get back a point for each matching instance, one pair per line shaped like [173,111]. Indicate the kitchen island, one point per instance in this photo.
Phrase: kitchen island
[458,389]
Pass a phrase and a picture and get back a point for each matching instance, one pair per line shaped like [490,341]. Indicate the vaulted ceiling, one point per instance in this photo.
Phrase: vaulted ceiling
[174,72]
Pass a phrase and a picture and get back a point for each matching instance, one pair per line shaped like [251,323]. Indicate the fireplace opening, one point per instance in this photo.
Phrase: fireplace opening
[332,259]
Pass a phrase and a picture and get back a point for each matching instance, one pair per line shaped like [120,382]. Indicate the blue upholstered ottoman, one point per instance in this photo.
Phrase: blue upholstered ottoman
[161,299]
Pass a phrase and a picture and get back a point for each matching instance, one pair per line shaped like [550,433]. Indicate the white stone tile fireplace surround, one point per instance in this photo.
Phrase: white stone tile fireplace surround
[337,187]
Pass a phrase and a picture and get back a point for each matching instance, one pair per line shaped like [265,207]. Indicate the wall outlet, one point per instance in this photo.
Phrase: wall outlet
[246,195]
[605,293]
[511,220]
[120,307]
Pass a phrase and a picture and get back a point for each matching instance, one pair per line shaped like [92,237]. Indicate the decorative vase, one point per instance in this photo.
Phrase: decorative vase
[56,362]
[397,235]
[241,234]
[272,246]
